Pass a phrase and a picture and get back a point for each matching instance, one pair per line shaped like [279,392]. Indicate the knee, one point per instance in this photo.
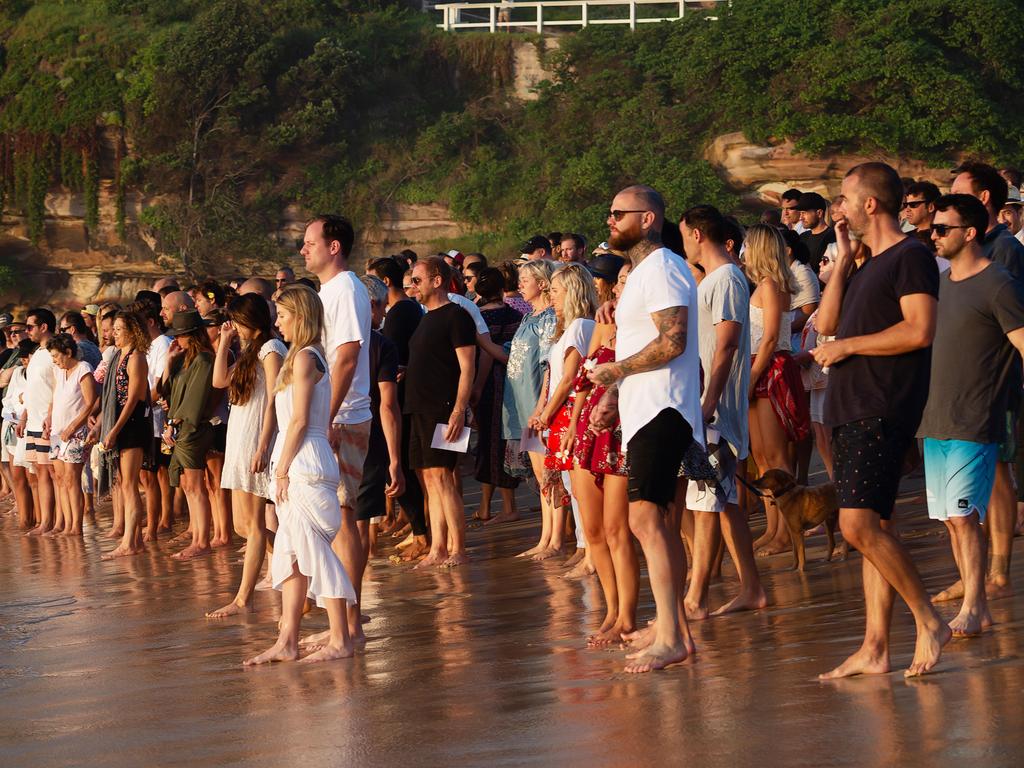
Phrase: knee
[855,532]
[964,524]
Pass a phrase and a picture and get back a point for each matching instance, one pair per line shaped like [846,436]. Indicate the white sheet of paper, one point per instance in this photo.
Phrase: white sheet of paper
[531,442]
[459,445]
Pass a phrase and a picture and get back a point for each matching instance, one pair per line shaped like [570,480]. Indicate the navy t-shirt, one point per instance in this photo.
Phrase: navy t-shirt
[893,387]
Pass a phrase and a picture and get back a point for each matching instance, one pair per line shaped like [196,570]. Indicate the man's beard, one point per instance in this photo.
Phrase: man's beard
[624,241]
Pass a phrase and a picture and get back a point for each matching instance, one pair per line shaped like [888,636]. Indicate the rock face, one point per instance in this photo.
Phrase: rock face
[763,173]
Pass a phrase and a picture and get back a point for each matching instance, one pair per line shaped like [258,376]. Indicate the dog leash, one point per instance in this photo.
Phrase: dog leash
[753,489]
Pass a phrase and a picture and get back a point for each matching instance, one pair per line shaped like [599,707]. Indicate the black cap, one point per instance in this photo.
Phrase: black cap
[811,201]
[535,242]
[186,321]
[606,266]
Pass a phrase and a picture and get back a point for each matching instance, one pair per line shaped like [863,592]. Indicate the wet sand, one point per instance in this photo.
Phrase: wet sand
[113,664]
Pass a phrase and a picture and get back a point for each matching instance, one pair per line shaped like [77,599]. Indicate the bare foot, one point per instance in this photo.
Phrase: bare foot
[640,639]
[317,640]
[408,541]
[583,568]
[416,551]
[996,589]
[114,533]
[606,637]
[121,551]
[434,558]
[218,543]
[185,535]
[546,554]
[743,602]
[928,650]
[264,584]
[279,651]
[53,532]
[656,657]
[503,517]
[330,653]
[454,561]
[191,552]
[863,662]
[575,557]
[73,531]
[775,548]
[533,551]
[970,622]
[149,535]
[953,592]
[402,532]
[482,518]
[37,531]
[231,609]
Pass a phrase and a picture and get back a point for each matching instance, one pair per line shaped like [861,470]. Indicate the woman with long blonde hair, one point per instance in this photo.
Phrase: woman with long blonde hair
[304,484]
[574,300]
[252,425]
[779,413]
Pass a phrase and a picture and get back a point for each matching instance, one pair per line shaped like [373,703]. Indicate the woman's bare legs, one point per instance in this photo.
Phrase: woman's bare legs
[546,513]
[129,467]
[591,500]
[193,483]
[23,497]
[220,501]
[250,524]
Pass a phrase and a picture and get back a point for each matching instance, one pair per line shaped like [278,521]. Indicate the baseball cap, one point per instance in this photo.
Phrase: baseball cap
[91,309]
[457,256]
[811,201]
[6,319]
[606,266]
[535,242]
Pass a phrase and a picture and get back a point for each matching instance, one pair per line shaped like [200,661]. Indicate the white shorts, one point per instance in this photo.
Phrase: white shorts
[818,406]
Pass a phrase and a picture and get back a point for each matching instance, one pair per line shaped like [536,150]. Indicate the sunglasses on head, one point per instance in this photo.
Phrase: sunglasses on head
[943,229]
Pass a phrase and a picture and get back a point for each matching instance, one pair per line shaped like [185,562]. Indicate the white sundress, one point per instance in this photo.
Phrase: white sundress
[245,423]
[310,518]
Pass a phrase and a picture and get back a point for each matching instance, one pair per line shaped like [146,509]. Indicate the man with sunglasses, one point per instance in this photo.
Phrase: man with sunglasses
[655,384]
[980,322]
[817,233]
[73,324]
[919,210]
[35,423]
[284,276]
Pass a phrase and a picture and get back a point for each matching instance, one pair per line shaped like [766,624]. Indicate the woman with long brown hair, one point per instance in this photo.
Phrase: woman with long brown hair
[779,412]
[187,385]
[252,426]
[126,430]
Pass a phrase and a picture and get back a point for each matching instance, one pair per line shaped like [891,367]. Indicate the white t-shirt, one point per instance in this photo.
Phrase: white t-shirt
[39,382]
[12,405]
[661,281]
[347,318]
[156,359]
[473,309]
[576,336]
[67,396]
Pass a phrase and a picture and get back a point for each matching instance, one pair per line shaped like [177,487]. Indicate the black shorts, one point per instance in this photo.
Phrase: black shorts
[421,433]
[371,501]
[156,458]
[220,438]
[868,461]
[654,455]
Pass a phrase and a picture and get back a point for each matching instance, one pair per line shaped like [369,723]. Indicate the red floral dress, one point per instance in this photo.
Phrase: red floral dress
[602,453]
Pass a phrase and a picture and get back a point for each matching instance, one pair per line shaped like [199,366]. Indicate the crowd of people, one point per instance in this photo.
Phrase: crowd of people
[642,388]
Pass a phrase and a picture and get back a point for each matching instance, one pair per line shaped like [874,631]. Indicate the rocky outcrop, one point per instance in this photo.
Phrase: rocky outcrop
[763,172]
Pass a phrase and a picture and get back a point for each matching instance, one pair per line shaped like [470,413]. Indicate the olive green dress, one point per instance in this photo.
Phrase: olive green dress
[190,405]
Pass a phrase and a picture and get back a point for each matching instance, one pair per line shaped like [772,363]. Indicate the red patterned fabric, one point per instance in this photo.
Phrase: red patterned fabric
[601,454]
[782,385]
[558,426]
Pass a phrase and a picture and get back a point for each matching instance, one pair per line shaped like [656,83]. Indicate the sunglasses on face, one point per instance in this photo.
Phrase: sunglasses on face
[913,203]
[943,229]
[620,215]
[66,329]
[417,280]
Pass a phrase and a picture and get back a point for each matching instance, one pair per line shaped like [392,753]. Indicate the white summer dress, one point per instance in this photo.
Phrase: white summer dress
[311,516]
[245,423]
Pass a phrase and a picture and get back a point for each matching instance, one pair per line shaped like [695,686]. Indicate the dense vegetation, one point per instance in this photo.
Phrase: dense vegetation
[231,109]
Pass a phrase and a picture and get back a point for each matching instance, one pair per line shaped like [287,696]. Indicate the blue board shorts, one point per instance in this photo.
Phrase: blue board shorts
[958,477]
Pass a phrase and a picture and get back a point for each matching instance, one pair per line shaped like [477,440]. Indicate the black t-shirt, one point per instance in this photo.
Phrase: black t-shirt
[400,324]
[1003,248]
[894,387]
[5,355]
[432,377]
[925,236]
[383,368]
[816,245]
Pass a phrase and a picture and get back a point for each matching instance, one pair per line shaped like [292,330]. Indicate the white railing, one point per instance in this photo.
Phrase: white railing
[499,16]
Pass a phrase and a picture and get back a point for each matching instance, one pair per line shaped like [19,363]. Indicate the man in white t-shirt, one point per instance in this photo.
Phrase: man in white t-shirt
[655,379]
[327,244]
[723,323]
[35,423]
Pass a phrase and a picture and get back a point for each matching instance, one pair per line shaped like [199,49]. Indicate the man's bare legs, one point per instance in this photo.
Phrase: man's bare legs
[1001,520]
[823,441]
[968,542]
[348,546]
[193,483]
[508,513]
[455,518]
[707,535]
[166,499]
[46,496]
[591,502]
[663,549]
[887,566]
[129,468]
[153,499]
[736,532]
[433,498]
[249,520]
[23,498]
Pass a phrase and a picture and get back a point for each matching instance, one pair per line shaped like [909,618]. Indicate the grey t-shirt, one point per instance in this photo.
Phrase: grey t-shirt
[724,295]
[972,359]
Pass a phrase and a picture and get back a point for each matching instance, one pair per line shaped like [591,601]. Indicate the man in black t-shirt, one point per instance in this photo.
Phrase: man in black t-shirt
[883,317]
[438,384]
[919,210]
[817,234]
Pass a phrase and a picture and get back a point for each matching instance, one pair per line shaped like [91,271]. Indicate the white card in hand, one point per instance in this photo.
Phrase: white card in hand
[459,444]
[531,442]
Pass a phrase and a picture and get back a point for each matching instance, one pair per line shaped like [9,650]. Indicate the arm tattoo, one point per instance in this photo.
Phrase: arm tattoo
[670,343]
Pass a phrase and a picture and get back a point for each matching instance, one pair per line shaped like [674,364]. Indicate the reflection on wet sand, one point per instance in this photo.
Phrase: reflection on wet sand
[113,664]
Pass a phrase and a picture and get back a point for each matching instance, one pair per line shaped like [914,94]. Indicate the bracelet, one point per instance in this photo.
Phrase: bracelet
[280,477]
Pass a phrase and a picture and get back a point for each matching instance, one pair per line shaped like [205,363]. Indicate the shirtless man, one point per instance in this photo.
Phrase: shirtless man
[883,317]
[655,385]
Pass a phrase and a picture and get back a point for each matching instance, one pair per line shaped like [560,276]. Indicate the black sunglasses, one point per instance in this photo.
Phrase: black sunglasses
[914,203]
[618,215]
[943,229]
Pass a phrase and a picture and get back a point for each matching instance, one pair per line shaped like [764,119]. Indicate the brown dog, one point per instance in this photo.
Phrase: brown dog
[802,508]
